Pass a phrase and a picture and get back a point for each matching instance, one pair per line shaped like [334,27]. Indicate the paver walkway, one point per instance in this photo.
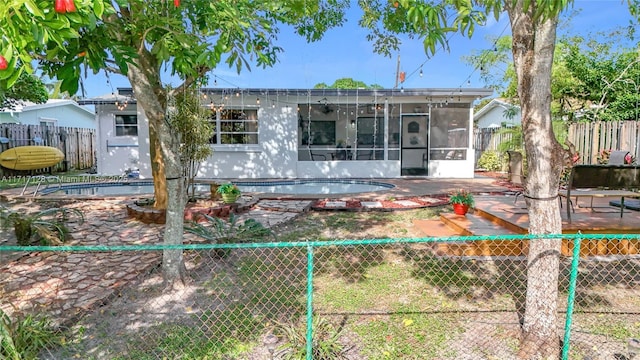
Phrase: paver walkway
[65,285]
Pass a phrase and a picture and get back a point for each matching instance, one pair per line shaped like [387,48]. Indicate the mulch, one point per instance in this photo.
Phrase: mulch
[501,179]
[395,204]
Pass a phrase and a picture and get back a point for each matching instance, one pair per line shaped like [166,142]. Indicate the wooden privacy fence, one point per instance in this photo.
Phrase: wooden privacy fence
[593,137]
[77,144]
[489,138]
[589,138]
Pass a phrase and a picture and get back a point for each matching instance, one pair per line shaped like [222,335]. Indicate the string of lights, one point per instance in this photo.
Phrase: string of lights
[467,80]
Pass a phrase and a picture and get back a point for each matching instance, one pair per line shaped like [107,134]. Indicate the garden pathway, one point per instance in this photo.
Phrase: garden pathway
[66,284]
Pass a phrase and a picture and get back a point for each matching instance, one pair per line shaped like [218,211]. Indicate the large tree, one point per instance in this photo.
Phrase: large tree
[140,39]
[594,77]
[533,27]
[347,83]
[26,88]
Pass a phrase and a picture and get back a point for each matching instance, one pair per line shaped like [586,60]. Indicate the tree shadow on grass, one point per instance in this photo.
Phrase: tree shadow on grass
[349,262]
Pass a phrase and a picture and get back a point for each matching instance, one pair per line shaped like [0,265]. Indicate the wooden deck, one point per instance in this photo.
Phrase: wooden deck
[599,219]
[501,215]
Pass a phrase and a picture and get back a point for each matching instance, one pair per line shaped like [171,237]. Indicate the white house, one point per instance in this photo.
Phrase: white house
[55,112]
[493,115]
[310,133]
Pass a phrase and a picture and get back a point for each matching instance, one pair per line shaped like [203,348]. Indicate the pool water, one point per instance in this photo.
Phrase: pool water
[289,187]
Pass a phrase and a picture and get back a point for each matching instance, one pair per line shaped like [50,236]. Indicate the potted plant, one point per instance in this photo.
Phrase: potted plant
[229,192]
[46,227]
[461,200]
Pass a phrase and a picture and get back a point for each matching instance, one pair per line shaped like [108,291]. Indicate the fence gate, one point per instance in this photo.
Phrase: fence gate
[77,145]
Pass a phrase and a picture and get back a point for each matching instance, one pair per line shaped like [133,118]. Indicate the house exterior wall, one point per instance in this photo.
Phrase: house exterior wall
[494,117]
[117,154]
[275,156]
[281,151]
[7,118]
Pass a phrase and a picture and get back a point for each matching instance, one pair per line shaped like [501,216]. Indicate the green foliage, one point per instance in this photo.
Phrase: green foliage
[586,71]
[193,124]
[228,188]
[487,61]
[513,138]
[347,83]
[602,75]
[32,30]
[461,196]
[221,231]
[190,39]
[490,160]
[27,87]
[47,225]
[325,341]
[24,338]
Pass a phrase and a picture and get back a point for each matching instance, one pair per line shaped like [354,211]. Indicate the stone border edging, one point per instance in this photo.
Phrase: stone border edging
[137,210]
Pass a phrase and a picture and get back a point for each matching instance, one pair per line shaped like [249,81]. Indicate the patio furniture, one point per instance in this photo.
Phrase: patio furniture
[516,174]
[316,156]
[617,157]
[591,181]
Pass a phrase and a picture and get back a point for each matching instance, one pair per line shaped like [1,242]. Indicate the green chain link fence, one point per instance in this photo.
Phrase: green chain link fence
[414,298]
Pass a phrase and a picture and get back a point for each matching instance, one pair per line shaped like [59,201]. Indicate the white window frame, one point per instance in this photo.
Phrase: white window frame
[48,121]
[116,125]
[218,126]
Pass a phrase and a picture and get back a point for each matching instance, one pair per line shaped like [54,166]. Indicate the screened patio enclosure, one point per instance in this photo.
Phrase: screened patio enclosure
[413,134]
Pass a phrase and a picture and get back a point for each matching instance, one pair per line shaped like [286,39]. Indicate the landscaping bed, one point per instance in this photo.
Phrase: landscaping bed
[381,205]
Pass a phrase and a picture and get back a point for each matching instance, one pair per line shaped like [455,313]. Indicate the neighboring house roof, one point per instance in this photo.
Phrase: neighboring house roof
[65,112]
[491,108]
[123,95]
[24,106]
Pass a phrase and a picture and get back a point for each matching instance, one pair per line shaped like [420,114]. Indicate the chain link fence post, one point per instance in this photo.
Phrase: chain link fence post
[575,261]
[309,301]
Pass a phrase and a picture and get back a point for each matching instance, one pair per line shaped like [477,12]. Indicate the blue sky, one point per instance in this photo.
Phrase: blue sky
[345,52]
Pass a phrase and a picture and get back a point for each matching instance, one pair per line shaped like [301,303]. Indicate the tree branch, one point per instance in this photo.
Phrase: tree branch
[190,80]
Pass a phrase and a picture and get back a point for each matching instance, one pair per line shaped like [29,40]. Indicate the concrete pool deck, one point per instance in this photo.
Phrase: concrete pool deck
[403,188]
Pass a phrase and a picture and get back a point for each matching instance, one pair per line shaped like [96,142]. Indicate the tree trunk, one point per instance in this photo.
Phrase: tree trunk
[533,47]
[157,168]
[173,268]
[167,174]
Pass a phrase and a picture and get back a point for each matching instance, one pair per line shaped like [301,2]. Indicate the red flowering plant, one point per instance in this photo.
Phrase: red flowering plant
[3,63]
[604,155]
[629,159]
[566,172]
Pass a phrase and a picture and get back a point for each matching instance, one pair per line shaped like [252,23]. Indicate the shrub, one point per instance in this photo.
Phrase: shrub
[490,160]
[325,341]
[46,226]
[219,231]
[24,338]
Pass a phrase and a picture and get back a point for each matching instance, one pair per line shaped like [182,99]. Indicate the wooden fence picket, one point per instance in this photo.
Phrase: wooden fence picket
[77,144]
[589,138]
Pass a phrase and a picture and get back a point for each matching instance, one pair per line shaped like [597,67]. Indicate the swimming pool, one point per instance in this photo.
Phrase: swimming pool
[289,187]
